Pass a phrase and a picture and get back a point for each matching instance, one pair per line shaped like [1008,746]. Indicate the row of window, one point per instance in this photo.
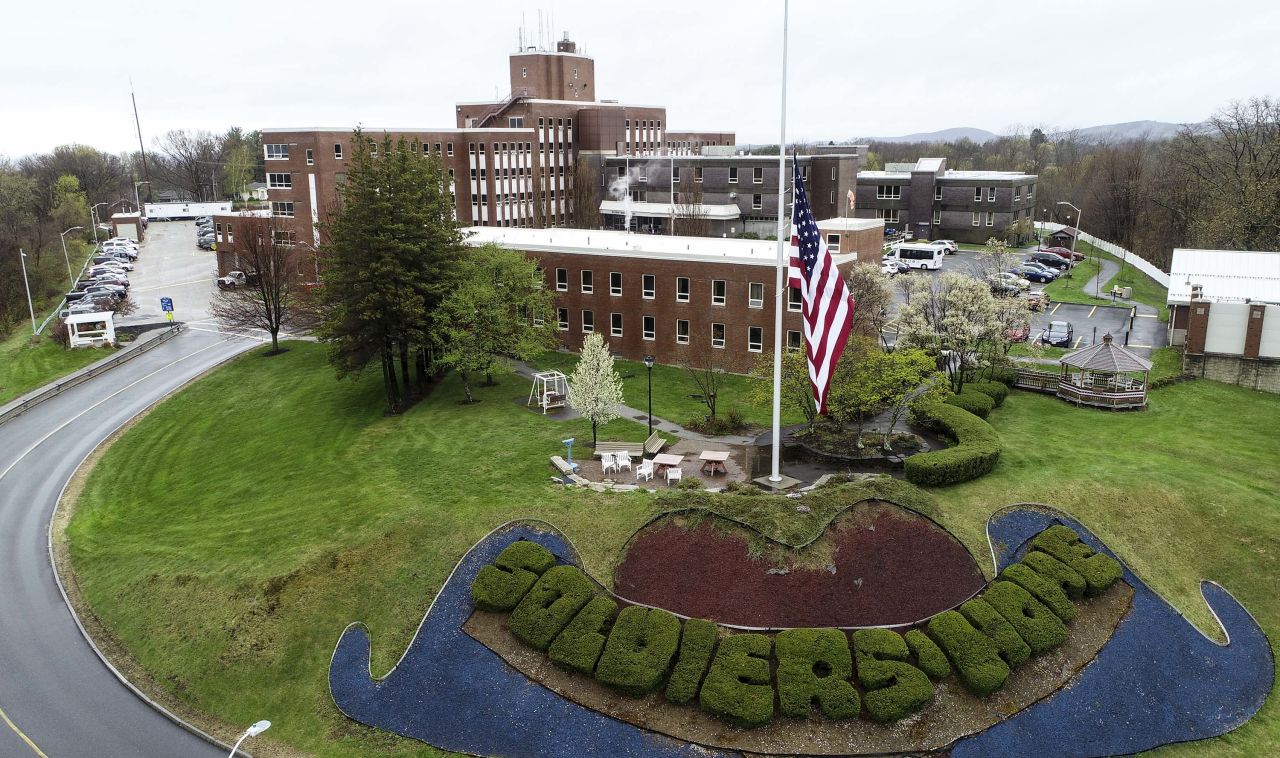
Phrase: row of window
[893,216]
[649,330]
[649,288]
[894,192]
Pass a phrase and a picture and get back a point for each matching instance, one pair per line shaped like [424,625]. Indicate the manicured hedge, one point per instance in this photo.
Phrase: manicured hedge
[976,452]
[697,643]
[549,607]
[1057,572]
[1045,589]
[638,653]
[1013,649]
[1099,570]
[929,657]
[1005,375]
[802,653]
[499,586]
[895,688]
[578,646]
[994,390]
[738,687]
[1038,626]
[976,659]
[972,401]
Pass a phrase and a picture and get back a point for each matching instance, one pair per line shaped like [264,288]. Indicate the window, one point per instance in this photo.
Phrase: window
[276,152]
[977,218]
[217,230]
[682,331]
[1017,194]
[1031,193]
[937,192]
[991,219]
[794,299]
[977,194]
[649,283]
[757,202]
[311,157]
[733,174]
[682,289]
[833,243]
[471,148]
[537,320]
[282,210]
[449,148]
[648,327]
[615,324]
[890,215]
[717,335]
[562,280]
[675,176]
[888,192]
[524,72]
[717,291]
[588,322]
[515,122]
[755,339]
[832,198]
[562,319]
[283,237]
[280,181]
[588,285]
[755,295]
[833,173]
[937,218]
[643,175]
[793,340]
[697,173]
[757,175]
[615,283]
[991,194]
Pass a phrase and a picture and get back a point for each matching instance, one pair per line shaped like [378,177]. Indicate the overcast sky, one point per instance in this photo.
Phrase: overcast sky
[856,69]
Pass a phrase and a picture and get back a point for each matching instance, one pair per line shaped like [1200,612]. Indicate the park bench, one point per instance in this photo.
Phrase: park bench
[561,465]
[654,444]
[635,449]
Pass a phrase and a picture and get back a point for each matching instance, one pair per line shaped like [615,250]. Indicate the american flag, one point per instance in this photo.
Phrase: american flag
[827,306]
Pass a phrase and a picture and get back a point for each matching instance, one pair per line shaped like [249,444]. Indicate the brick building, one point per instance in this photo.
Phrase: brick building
[670,296]
[935,202]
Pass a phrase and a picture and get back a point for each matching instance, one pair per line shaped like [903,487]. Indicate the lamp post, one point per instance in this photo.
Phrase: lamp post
[22,256]
[137,199]
[252,731]
[65,257]
[648,363]
[1097,283]
[93,217]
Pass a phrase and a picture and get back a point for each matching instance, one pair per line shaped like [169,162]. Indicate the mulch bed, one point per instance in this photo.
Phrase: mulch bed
[878,564]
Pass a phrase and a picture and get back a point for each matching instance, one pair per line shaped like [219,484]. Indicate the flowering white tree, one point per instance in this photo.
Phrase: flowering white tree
[952,317]
[595,389]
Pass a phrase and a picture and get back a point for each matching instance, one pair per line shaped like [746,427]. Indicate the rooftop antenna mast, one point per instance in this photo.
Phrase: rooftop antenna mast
[146,175]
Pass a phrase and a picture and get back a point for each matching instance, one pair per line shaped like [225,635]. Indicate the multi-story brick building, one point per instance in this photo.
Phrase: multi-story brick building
[670,296]
[935,202]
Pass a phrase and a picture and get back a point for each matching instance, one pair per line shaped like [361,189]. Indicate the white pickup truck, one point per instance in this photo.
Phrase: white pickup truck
[236,279]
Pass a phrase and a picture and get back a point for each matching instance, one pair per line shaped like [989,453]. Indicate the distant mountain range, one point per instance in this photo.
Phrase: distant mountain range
[1127,130]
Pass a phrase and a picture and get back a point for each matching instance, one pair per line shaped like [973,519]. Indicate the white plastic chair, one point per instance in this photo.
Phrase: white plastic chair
[622,460]
[673,474]
[644,471]
[607,462]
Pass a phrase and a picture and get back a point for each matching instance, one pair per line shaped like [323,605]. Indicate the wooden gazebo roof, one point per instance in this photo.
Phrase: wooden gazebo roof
[1106,357]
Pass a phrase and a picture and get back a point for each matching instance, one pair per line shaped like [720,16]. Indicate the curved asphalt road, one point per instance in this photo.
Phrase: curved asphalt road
[53,688]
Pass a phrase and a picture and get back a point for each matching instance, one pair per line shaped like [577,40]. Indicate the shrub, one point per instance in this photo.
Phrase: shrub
[697,643]
[929,657]
[976,452]
[1044,589]
[737,687]
[1067,578]
[578,646]
[690,483]
[994,390]
[895,688]
[1013,649]
[802,654]
[638,653]
[500,585]
[972,401]
[1006,375]
[1099,570]
[1038,626]
[549,607]
[975,657]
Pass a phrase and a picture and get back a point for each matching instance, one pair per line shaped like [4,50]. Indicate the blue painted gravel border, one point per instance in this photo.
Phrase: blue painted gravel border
[1157,681]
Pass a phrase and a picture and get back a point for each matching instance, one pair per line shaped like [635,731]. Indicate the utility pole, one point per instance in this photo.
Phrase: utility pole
[141,148]
[22,256]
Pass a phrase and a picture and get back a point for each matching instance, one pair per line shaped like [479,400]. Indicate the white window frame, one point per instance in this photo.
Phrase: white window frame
[757,175]
[937,192]
[682,335]
[615,318]
[724,291]
[977,194]
[991,218]
[276,151]
[757,202]
[562,319]
[833,242]
[714,326]
[733,174]
[977,218]
[688,289]
[697,174]
[648,286]
[274,180]
[278,208]
[991,194]
[937,218]
[615,290]
[311,157]
[759,344]
[799,341]
[752,300]
[889,215]
[888,191]
[587,280]
[588,321]
[795,300]
[648,327]
[562,282]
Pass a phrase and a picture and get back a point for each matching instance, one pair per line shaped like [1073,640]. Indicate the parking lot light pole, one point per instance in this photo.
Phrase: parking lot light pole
[93,218]
[137,198]
[252,731]
[22,256]
[65,257]
[648,363]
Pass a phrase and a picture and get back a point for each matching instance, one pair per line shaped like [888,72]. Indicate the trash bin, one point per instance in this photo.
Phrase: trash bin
[1126,292]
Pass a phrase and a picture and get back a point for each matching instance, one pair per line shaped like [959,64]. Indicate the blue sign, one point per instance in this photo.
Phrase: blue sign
[166,304]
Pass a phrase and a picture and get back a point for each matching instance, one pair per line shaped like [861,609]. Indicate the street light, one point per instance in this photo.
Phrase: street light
[648,363]
[252,731]
[137,199]
[63,235]
[30,305]
[93,217]
[1097,283]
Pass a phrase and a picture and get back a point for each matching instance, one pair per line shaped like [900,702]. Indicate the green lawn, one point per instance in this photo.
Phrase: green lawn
[673,390]
[1074,289]
[27,363]
[228,550]
[1027,350]
[1145,289]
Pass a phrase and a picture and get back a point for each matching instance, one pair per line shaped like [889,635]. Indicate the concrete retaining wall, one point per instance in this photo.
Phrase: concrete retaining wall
[1256,374]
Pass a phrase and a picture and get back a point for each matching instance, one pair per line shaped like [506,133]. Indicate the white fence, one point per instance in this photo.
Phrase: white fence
[1110,247]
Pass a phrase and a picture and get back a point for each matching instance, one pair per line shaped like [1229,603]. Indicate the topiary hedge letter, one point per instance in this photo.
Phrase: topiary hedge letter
[1038,626]
[815,665]
[638,654]
[1099,570]
[500,585]
[1057,572]
[895,688]
[1044,589]
[929,657]
[549,607]
[976,659]
[697,642]
[578,646]
[738,687]
[1013,649]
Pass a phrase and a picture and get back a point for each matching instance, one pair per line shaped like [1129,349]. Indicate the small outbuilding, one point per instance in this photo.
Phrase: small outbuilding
[91,329]
[1105,375]
[1063,237]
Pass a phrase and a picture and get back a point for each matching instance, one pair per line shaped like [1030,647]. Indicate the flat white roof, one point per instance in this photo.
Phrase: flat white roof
[1229,275]
[664,210]
[851,224]
[629,245]
[89,318]
[948,174]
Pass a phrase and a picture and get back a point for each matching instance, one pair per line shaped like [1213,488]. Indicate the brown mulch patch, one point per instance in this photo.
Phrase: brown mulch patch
[878,564]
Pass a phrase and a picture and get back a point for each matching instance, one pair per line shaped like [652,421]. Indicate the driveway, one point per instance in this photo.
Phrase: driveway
[170,265]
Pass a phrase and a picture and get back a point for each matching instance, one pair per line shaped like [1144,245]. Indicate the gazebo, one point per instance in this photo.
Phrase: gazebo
[550,390]
[1105,375]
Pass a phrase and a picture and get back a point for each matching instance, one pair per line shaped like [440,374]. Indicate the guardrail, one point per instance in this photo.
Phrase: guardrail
[32,399]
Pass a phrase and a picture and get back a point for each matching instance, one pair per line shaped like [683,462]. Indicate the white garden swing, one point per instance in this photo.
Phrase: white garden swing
[550,390]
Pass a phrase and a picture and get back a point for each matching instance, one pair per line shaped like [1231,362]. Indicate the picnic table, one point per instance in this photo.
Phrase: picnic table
[713,460]
[665,461]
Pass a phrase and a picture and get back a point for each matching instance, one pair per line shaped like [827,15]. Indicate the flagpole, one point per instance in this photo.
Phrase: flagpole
[780,279]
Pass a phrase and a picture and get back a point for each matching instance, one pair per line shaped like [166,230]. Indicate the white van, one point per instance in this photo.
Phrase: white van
[922,255]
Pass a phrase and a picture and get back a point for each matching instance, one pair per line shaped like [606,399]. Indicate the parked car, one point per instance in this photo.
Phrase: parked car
[949,245]
[1007,284]
[205,243]
[1052,260]
[1033,273]
[121,252]
[1059,334]
[95,291]
[110,278]
[236,279]
[108,268]
[1038,300]
[205,220]
[121,241]
[1077,257]
[1018,333]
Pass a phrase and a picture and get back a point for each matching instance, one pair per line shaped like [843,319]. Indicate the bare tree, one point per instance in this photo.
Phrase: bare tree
[586,195]
[274,295]
[688,216]
[872,297]
[189,161]
[705,366]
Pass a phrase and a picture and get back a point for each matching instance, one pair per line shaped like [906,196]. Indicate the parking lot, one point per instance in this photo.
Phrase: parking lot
[170,265]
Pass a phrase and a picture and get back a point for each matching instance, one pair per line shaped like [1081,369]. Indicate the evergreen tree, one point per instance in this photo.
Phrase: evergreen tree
[595,389]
